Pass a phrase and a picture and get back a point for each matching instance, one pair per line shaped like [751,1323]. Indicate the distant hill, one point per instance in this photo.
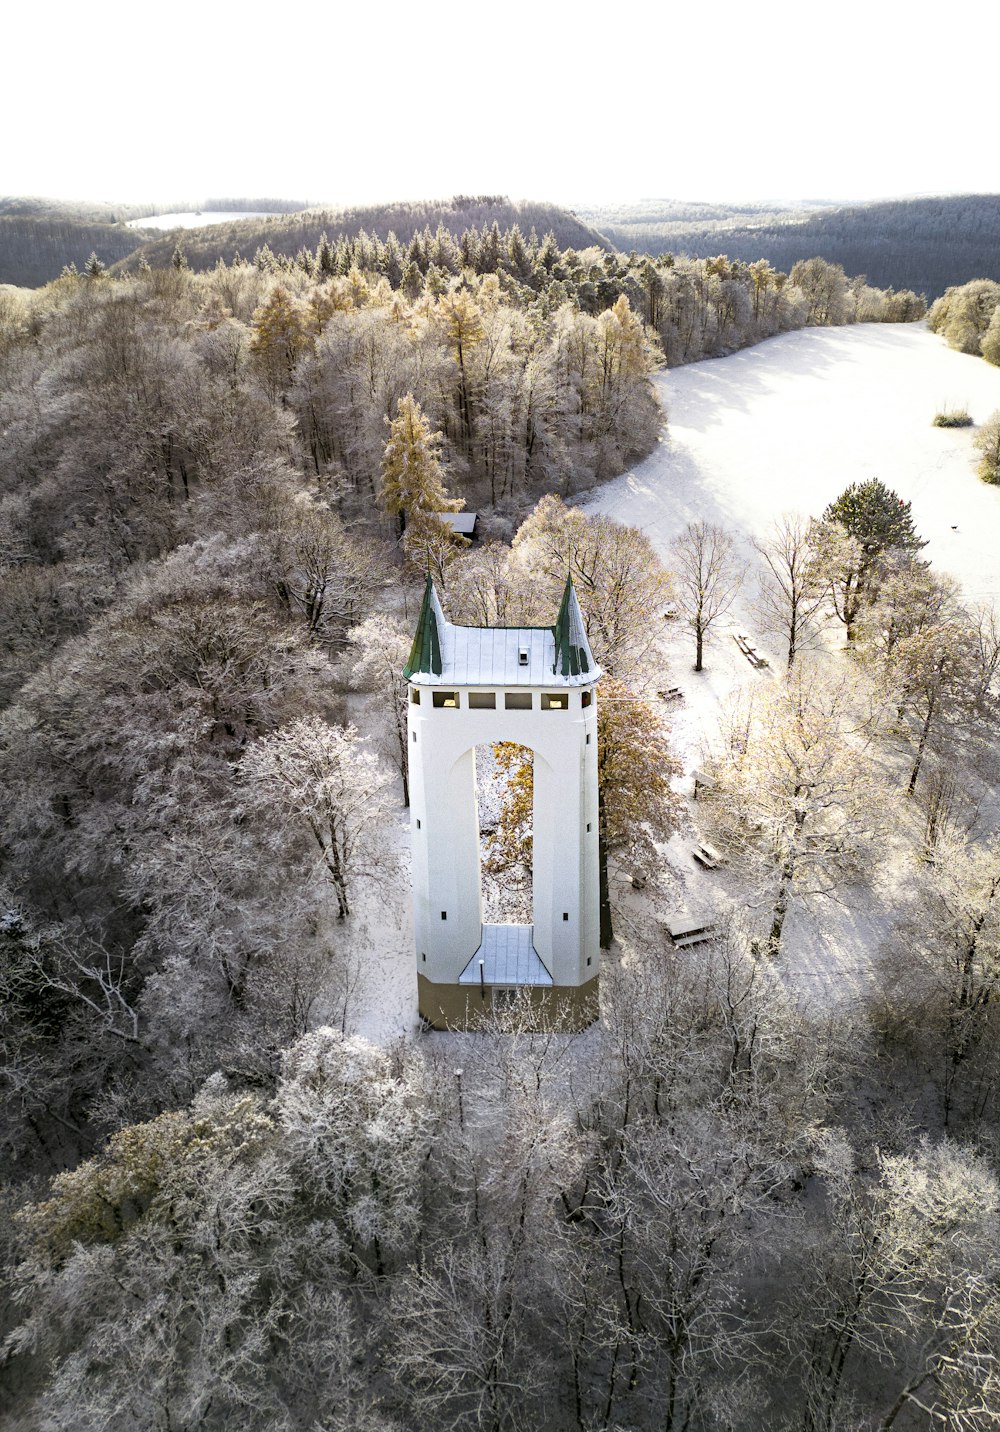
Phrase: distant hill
[35,250]
[38,236]
[924,244]
[287,233]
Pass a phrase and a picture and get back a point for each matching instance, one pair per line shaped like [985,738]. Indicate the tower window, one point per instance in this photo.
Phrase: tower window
[418,823]
[565,914]
[482,700]
[517,700]
[588,959]
[415,695]
[555,701]
[414,736]
[588,738]
[522,656]
[444,914]
[446,698]
[585,698]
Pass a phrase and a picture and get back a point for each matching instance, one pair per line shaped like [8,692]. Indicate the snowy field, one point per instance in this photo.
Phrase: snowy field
[197,220]
[785,427]
[782,427]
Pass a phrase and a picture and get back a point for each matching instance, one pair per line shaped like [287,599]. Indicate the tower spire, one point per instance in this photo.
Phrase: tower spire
[573,654]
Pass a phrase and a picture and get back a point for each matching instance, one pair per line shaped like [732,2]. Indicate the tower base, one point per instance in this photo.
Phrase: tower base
[526,1006]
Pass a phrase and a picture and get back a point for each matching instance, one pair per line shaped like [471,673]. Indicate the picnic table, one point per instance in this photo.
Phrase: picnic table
[689,930]
[748,649]
[707,855]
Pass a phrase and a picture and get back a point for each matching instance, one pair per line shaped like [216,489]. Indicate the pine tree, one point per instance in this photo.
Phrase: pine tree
[876,516]
[93,268]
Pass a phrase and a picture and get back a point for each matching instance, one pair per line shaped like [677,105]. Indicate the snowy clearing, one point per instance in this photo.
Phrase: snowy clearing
[785,427]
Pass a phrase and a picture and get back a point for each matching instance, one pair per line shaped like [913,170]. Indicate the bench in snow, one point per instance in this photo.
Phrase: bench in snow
[702,782]
[672,693]
[707,855]
[686,930]
[748,649]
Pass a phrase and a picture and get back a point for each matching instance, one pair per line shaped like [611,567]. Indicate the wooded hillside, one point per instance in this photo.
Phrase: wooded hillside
[923,244]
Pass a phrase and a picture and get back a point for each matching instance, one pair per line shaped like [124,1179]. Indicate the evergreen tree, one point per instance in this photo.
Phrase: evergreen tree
[93,268]
[412,476]
[876,517]
[178,259]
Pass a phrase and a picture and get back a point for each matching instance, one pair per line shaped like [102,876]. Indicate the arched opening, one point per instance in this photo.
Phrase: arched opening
[504,802]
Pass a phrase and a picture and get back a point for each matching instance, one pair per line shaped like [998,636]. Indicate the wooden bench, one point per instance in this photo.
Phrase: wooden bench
[702,782]
[707,855]
[672,693]
[689,931]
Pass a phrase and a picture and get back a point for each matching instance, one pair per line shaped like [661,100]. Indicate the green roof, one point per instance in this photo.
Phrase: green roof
[572,647]
[425,653]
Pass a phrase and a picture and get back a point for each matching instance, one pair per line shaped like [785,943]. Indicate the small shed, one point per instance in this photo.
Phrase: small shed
[466,524]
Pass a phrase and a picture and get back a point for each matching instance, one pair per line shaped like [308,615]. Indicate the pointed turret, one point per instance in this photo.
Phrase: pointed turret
[425,653]
[573,654]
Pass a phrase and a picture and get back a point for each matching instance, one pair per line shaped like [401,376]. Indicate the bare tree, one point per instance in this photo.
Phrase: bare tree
[792,593]
[803,799]
[707,576]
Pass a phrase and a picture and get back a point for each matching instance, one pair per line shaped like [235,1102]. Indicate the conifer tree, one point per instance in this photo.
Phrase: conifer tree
[412,476]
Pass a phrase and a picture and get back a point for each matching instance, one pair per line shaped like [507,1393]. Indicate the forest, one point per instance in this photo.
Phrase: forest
[925,244]
[222,1207]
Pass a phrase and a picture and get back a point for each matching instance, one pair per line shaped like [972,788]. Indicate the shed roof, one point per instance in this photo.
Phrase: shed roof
[447,655]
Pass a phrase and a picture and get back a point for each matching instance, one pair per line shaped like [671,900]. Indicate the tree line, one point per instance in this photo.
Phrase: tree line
[923,244]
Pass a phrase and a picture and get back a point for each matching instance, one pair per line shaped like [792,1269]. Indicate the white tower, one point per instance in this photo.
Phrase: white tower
[478,685]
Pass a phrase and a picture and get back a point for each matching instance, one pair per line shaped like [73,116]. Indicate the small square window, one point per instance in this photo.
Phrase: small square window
[444,914]
[585,699]
[555,701]
[447,699]
[482,700]
[565,914]
[415,695]
[522,656]
[517,700]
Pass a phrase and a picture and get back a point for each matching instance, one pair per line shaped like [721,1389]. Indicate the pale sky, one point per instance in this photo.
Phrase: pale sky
[347,104]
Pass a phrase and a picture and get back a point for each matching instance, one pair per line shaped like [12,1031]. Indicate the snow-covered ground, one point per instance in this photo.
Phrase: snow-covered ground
[784,427]
[197,220]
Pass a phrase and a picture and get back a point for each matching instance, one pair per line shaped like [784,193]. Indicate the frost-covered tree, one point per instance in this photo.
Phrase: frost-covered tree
[325,778]
[620,582]
[792,593]
[800,797]
[707,579]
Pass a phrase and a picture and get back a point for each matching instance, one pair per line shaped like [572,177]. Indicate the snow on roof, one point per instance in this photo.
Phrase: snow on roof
[447,655]
[463,522]
[508,957]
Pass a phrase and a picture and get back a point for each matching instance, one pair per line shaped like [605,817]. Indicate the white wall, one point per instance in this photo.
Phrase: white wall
[446,870]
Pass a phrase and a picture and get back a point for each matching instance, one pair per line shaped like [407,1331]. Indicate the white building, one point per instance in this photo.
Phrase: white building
[472,686]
